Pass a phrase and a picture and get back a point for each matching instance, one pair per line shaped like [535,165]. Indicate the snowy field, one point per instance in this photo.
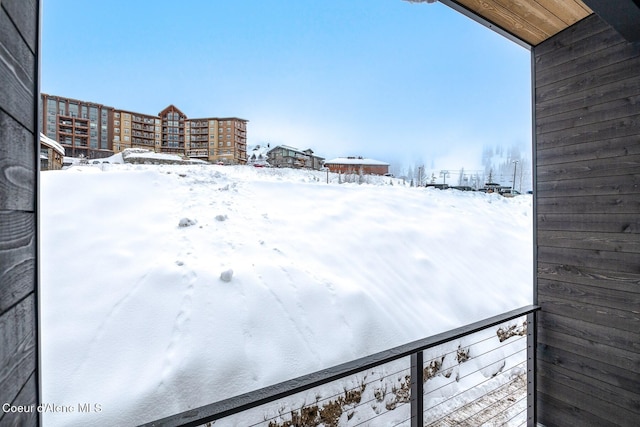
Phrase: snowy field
[165,288]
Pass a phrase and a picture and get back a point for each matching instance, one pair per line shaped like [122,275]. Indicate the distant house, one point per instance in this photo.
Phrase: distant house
[283,156]
[257,156]
[51,154]
[357,165]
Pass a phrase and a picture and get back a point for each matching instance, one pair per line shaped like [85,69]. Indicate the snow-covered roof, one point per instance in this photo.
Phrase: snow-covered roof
[288,147]
[44,139]
[306,152]
[131,155]
[155,156]
[355,161]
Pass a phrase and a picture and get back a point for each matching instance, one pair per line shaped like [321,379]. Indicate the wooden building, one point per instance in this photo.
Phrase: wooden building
[587,151]
[19,161]
[283,156]
[51,154]
[357,165]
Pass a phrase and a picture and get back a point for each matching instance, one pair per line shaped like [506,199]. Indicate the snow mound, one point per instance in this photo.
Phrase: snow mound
[137,318]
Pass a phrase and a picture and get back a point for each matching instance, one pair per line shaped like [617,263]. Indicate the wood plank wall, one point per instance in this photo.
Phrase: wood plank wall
[19,142]
[587,124]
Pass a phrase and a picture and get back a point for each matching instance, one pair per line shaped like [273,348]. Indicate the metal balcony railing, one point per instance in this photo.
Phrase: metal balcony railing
[479,374]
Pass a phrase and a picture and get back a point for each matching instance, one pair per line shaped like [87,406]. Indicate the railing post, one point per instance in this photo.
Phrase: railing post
[417,391]
[532,326]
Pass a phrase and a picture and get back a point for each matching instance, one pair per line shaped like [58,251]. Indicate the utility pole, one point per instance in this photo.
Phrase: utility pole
[444,175]
[513,185]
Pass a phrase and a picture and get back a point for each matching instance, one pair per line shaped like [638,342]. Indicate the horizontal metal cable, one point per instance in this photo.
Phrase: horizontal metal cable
[478,370]
[260,397]
[524,411]
[379,415]
[336,395]
[472,388]
[490,405]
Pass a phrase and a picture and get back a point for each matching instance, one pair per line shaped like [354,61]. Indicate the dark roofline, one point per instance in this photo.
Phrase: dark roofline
[90,103]
[171,106]
[622,15]
[230,118]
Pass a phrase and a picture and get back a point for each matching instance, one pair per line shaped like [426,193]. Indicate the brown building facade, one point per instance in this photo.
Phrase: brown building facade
[219,140]
[81,127]
[135,130]
[227,139]
[173,131]
[283,156]
[357,165]
[91,130]
[51,154]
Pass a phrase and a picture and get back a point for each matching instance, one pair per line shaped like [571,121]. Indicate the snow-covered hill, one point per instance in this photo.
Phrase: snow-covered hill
[170,287]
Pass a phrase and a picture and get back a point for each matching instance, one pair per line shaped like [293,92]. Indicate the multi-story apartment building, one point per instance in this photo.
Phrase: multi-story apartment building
[220,140]
[135,130]
[173,131]
[82,128]
[94,130]
[230,142]
[200,137]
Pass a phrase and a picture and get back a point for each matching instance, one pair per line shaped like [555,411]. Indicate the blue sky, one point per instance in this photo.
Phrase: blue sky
[396,81]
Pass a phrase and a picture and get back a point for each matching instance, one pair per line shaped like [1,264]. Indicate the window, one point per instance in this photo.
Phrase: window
[73,109]
[228,143]
[117,130]
[126,122]
[116,122]
[116,115]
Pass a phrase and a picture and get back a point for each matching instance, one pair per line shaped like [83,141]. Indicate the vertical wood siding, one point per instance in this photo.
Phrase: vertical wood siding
[587,125]
[19,142]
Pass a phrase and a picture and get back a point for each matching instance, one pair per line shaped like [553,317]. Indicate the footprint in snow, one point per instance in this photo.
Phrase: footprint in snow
[187,222]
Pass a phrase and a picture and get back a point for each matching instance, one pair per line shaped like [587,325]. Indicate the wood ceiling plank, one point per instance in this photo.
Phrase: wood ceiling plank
[569,12]
[530,20]
[536,15]
[506,19]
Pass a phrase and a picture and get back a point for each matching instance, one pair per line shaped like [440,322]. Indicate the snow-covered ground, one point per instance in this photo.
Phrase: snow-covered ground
[165,288]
